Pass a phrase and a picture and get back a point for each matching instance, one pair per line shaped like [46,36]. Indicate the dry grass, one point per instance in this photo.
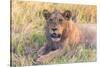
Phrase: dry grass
[28,33]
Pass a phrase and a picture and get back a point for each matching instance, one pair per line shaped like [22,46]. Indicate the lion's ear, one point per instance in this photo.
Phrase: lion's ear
[67,14]
[46,14]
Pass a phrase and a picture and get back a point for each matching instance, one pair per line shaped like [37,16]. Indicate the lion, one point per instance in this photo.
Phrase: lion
[64,36]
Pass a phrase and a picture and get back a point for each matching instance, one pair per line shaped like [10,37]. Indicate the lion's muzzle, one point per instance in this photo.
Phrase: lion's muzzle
[55,37]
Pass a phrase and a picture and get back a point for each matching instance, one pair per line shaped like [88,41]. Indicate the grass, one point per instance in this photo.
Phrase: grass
[28,31]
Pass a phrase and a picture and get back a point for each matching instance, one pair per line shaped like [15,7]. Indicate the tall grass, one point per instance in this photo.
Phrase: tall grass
[28,30]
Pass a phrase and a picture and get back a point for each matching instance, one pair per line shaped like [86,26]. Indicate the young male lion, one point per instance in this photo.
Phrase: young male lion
[63,35]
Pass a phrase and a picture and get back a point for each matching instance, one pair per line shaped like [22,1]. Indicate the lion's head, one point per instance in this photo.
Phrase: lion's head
[56,23]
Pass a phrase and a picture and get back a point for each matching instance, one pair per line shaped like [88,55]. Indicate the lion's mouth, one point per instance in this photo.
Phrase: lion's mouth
[55,37]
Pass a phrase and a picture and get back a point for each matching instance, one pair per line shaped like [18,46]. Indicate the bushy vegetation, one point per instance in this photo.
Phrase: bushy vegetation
[27,26]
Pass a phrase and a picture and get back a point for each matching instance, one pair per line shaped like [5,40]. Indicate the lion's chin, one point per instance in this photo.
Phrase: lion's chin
[55,39]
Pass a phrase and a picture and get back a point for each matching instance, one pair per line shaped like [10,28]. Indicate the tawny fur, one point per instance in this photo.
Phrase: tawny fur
[73,35]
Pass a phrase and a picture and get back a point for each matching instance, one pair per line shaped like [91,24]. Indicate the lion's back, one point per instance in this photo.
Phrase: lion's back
[88,32]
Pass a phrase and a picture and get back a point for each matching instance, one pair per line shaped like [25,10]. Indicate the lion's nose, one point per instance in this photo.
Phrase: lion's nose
[54,29]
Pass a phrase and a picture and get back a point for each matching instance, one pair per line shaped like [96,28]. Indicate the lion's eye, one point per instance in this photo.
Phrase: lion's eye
[50,20]
[60,20]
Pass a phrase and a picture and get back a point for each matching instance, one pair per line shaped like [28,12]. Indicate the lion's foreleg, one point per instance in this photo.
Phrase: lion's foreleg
[51,55]
[41,51]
